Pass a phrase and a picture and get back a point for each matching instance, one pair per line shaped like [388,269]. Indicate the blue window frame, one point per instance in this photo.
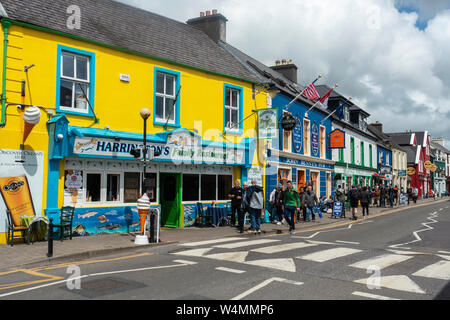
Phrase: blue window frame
[166,87]
[75,67]
[233,109]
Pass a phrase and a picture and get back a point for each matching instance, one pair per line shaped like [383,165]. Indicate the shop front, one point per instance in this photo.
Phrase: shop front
[103,181]
[347,177]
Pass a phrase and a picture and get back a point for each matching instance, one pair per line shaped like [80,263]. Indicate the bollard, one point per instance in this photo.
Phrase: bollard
[152,228]
[50,239]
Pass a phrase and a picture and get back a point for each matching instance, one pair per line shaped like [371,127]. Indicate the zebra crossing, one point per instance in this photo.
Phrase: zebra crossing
[265,253]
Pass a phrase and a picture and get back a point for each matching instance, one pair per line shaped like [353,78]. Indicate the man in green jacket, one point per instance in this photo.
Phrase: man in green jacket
[291,204]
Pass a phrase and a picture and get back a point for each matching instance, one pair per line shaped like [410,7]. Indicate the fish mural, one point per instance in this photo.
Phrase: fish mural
[102,219]
[88,214]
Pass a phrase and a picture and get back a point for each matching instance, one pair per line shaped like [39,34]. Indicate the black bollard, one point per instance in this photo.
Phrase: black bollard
[50,239]
[152,228]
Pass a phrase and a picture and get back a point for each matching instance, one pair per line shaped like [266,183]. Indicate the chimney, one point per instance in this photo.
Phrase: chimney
[377,125]
[287,68]
[440,141]
[214,25]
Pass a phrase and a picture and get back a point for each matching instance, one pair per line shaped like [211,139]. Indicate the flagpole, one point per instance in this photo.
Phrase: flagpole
[290,103]
[335,86]
[343,104]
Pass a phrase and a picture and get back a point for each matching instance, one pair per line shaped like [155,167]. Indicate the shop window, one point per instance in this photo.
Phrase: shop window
[191,187]
[208,187]
[225,183]
[73,187]
[76,70]
[131,187]
[166,110]
[150,185]
[93,187]
[113,187]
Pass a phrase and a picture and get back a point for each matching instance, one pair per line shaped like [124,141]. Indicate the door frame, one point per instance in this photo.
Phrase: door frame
[178,177]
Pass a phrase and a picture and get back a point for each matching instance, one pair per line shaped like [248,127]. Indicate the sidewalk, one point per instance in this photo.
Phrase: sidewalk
[21,255]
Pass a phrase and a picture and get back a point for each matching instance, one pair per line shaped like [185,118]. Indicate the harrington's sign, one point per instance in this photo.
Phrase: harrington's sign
[337,139]
[177,150]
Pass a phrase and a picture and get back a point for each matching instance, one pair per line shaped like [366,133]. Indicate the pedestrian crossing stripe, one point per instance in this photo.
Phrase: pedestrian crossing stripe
[381,262]
[194,252]
[439,270]
[229,256]
[284,247]
[330,254]
[245,243]
[215,241]
[398,282]
[279,264]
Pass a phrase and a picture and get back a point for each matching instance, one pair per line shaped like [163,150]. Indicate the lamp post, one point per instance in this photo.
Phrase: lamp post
[145,114]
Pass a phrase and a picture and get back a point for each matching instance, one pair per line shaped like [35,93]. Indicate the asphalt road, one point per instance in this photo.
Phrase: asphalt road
[402,255]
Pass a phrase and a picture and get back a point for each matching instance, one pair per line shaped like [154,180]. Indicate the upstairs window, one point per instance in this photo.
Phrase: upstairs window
[322,142]
[75,81]
[165,97]
[233,108]
[306,138]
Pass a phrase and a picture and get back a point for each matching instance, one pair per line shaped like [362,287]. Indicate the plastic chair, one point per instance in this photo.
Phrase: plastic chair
[13,227]
[65,222]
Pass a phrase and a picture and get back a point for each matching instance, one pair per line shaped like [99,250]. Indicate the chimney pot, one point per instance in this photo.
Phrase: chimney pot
[214,11]
[202,14]
[215,26]
[283,61]
[288,70]
[208,13]
[277,63]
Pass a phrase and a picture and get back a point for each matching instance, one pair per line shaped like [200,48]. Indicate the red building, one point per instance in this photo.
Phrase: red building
[417,147]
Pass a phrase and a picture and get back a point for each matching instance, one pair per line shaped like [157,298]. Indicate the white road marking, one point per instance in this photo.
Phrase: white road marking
[230,270]
[443,257]
[441,209]
[372,296]
[444,252]
[347,242]
[322,242]
[185,262]
[284,247]
[401,283]
[405,252]
[279,264]
[193,252]
[262,285]
[311,236]
[202,243]
[245,243]
[229,256]
[439,270]
[330,254]
[90,275]
[381,262]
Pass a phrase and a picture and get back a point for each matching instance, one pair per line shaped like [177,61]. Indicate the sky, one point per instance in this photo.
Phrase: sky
[391,56]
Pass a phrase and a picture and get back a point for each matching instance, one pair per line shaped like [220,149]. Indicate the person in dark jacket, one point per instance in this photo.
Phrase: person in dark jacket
[391,196]
[235,195]
[365,197]
[354,197]
[255,199]
[310,200]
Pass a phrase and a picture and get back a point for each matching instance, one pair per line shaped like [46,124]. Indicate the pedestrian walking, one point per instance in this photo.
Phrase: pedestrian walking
[276,200]
[310,200]
[303,207]
[244,207]
[291,204]
[340,196]
[396,195]
[255,200]
[376,198]
[415,194]
[354,198]
[235,195]
[391,195]
[385,192]
[365,197]
[409,192]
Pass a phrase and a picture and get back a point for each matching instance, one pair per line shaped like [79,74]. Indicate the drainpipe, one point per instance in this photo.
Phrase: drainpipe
[6,25]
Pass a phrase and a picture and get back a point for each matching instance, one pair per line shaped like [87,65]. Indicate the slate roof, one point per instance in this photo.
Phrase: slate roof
[126,27]
[436,145]
[403,139]
[411,153]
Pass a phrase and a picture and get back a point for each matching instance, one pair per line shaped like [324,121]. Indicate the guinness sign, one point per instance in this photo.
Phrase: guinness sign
[288,121]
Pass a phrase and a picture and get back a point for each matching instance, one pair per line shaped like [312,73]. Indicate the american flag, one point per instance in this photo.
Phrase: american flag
[311,92]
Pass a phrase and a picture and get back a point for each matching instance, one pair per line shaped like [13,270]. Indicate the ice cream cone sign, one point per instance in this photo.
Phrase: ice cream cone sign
[143,206]
[31,118]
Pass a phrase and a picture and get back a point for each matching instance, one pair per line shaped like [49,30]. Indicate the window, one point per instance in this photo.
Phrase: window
[341,155]
[191,187]
[387,159]
[322,142]
[149,184]
[113,187]
[165,97]
[352,150]
[346,114]
[224,186]
[362,153]
[306,138]
[380,157]
[371,156]
[287,141]
[75,81]
[131,186]
[93,187]
[208,186]
[233,108]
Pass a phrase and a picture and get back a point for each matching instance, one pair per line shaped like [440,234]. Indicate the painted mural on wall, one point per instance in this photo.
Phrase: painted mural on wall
[191,212]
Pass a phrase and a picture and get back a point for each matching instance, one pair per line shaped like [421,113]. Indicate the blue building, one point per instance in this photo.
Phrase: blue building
[303,154]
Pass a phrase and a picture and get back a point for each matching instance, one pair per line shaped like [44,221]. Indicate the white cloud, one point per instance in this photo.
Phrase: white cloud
[397,72]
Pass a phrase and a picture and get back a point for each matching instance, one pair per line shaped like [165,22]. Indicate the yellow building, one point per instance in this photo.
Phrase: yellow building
[90,69]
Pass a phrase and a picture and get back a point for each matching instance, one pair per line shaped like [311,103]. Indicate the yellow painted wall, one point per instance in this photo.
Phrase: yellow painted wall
[117,104]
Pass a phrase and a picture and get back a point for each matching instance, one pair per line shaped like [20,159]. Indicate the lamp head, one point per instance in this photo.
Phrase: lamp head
[145,113]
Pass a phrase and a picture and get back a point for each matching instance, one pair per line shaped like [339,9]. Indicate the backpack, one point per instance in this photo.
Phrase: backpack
[354,195]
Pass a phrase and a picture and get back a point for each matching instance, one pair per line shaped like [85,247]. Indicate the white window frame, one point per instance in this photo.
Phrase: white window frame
[74,80]
[307,146]
[323,142]
[164,96]
[105,184]
[230,126]
[289,141]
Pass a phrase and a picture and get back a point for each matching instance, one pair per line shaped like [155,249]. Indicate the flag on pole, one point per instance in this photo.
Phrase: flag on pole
[340,110]
[323,102]
[311,92]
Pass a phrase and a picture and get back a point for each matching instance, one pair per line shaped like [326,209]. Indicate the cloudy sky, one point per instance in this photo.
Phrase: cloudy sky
[392,56]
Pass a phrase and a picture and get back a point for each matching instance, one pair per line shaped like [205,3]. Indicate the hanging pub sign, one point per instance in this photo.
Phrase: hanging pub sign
[433,167]
[267,123]
[297,138]
[315,140]
[411,171]
[428,165]
[288,121]
[337,139]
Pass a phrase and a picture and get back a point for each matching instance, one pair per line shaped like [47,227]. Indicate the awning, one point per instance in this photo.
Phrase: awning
[378,175]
